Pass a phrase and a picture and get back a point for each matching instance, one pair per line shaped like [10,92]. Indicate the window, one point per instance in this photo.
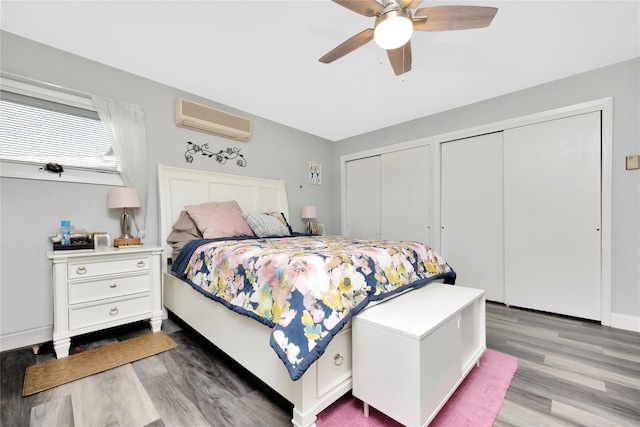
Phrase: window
[41,125]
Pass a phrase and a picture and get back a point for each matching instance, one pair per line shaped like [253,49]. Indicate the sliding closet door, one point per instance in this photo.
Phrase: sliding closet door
[472,221]
[363,198]
[406,195]
[552,216]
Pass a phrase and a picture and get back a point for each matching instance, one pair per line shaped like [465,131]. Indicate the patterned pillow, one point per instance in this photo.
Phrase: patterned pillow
[219,219]
[264,225]
[280,216]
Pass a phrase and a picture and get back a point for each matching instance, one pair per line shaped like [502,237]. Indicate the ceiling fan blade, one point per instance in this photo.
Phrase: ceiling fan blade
[400,59]
[348,46]
[363,7]
[410,4]
[449,18]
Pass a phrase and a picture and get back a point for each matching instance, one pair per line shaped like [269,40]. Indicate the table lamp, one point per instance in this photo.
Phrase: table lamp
[124,198]
[308,213]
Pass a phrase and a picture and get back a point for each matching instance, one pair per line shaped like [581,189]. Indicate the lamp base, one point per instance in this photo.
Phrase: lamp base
[134,241]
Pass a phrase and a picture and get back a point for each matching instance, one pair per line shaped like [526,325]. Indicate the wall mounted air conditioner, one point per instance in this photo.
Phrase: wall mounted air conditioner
[192,115]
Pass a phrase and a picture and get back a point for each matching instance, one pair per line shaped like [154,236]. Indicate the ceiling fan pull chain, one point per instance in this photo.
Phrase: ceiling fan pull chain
[403,58]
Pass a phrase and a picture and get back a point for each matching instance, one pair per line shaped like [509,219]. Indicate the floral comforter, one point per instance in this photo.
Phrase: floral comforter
[306,288]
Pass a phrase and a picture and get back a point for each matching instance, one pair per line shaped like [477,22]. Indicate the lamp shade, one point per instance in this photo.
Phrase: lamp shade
[123,197]
[308,212]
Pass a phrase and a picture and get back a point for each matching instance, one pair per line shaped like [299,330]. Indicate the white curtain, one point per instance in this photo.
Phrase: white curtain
[125,123]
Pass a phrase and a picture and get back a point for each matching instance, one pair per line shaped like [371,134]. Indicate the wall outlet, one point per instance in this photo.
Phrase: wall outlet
[633,162]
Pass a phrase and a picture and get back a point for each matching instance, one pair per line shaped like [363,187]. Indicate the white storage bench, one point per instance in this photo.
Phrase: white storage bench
[411,353]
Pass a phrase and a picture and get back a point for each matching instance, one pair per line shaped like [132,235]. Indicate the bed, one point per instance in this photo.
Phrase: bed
[247,341]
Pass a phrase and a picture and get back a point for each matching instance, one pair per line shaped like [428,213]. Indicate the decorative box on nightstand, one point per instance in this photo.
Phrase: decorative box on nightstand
[99,289]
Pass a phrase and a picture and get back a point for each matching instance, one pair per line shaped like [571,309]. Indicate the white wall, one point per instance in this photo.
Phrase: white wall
[622,82]
[31,210]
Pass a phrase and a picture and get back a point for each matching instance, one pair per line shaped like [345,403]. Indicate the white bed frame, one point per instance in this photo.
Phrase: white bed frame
[328,378]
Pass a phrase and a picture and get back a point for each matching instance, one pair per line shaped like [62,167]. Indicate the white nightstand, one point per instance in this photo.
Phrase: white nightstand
[99,289]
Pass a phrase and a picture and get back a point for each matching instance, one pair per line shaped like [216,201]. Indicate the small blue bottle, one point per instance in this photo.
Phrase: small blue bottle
[66,233]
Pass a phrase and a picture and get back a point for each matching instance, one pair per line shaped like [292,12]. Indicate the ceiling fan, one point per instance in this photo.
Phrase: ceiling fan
[395,22]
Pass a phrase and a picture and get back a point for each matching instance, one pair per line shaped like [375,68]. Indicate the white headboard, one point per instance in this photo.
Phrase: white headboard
[178,187]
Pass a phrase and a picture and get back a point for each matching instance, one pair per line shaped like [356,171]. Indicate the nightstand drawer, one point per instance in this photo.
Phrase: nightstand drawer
[82,317]
[111,287]
[90,268]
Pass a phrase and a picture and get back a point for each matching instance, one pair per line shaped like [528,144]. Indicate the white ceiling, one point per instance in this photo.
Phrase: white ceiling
[262,56]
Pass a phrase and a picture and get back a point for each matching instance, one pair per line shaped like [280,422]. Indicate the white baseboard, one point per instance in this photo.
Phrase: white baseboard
[625,321]
[26,338]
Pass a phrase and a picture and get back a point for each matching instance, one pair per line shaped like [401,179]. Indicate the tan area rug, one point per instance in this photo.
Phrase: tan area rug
[61,371]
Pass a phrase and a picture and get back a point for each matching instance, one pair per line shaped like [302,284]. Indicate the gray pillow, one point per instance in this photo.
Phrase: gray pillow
[264,225]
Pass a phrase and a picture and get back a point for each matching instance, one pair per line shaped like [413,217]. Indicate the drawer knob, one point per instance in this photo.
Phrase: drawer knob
[114,311]
[81,270]
[113,286]
[338,359]
[140,264]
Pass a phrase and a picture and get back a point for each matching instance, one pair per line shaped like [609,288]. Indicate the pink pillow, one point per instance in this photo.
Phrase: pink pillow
[219,219]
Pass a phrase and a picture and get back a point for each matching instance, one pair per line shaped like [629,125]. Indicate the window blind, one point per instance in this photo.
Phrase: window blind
[34,130]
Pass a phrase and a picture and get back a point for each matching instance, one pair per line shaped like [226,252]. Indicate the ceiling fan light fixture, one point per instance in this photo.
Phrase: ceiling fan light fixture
[393,29]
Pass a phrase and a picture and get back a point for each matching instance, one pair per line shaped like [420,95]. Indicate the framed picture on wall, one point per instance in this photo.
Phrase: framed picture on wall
[315,173]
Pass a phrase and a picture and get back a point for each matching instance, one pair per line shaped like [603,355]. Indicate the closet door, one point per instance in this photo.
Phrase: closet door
[472,213]
[406,195]
[552,216]
[363,198]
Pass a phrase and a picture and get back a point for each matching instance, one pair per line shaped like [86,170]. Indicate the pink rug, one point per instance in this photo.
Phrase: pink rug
[474,404]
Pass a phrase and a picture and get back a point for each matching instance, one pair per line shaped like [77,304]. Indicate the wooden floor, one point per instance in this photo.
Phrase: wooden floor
[571,373]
